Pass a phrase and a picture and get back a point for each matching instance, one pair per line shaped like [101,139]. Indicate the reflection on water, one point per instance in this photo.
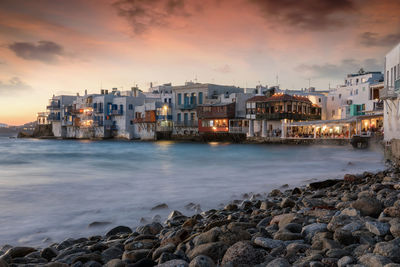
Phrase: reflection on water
[52,189]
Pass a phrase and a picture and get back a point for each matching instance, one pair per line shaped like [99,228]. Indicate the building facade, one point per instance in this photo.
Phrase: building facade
[391,95]
[265,114]
[358,96]
[185,100]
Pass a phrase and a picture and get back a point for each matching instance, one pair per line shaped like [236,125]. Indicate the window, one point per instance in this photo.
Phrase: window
[363,89]
[185,117]
[193,99]
[179,118]
[333,112]
[319,99]
[121,107]
[130,107]
[340,96]
[201,98]
[169,100]
[356,92]
[179,99]
[192,116]
[333,98]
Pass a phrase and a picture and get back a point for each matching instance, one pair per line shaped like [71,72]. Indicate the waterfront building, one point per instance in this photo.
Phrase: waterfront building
[185,99]
[391,98]
[319,98]
[103,115]
[358,96]
[57,112]
[214,118]
[42,118]
[265,114]
[153,120]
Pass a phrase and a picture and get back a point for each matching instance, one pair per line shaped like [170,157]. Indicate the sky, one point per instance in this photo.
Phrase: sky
[66,46]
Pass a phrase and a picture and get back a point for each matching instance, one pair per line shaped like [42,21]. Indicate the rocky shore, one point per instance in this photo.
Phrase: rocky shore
[354,221]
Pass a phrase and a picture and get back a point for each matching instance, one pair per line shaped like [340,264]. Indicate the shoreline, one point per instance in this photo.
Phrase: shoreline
[325,223]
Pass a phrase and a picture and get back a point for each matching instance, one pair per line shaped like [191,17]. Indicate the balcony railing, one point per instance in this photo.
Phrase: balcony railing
[164,129]
[53,105]
[378,105]
[238,129]
[187,106]
[53,117]
[98,110]
[186,124]
[287,115]
[388,93]
[117,112]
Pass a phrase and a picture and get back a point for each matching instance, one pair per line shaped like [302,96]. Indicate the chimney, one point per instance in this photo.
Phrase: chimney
[106,92]
[102,91]
[151,84]
[85,92]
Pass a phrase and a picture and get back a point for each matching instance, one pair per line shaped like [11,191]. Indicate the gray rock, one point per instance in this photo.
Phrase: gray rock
[268,242]
[111,253]
[280,262]
[136,255]
[337,253]
[150,229]
[368,206]
[310,230]
[389,249]
[119,230]
[214,250]
[174,263]
[395,227]
[344,261]
[242,253]
[287,203]
[49,253]
[167,248]
[373,260]
[115,263]
[377,228]
[202,261]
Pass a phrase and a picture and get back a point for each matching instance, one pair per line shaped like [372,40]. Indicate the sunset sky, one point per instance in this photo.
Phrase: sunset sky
[66,46]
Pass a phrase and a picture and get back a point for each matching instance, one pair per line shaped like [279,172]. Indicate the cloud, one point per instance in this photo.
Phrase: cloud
[13,86]
[224,69]
[143,14]
[371,39]
[339,71]
[45,51]
[306,14]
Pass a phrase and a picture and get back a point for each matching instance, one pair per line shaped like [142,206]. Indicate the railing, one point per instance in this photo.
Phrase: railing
[53,105]
[98,110]
[287,115]
[43,114]
[378,105]
[238,129]
[117,112]
[164,129]
[187,106]
[388,93]
[53,117]
[186,124]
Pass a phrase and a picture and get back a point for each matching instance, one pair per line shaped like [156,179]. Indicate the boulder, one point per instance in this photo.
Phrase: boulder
[368,206]
[119,230]
[242,253]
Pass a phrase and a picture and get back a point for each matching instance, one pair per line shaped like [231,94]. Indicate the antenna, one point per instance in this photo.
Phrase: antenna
[195,78]
[277,79]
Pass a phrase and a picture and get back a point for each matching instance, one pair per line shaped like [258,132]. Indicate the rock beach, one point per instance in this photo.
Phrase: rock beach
[354,221]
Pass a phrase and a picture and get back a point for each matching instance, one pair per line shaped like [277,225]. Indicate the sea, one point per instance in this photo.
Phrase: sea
[51,190]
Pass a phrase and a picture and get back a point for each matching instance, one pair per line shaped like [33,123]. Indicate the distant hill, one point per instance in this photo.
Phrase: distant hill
[14,130]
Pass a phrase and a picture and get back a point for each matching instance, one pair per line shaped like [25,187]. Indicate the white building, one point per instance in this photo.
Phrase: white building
[357,96]
[391,96]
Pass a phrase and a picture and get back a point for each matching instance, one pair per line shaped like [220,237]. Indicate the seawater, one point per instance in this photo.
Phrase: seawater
[51,190]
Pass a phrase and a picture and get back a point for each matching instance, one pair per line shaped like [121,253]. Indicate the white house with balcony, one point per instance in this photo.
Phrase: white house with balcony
[359,95]
[391,97]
